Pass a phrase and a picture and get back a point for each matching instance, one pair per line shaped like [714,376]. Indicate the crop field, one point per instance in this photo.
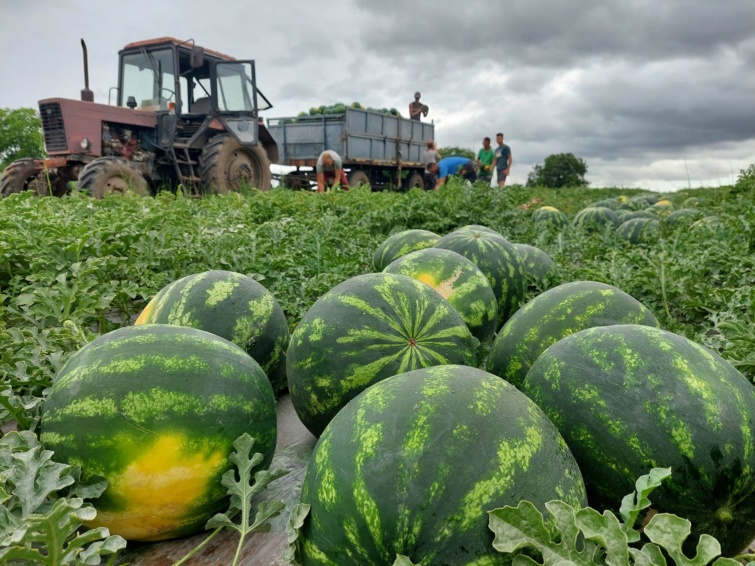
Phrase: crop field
[75,268]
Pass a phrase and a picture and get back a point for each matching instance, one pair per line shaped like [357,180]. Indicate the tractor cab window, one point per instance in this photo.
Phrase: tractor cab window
[149,76]
[235,87]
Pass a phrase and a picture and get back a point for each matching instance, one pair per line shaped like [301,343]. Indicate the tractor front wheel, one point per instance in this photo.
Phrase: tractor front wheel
[107,175]
[226,165]
[19,176]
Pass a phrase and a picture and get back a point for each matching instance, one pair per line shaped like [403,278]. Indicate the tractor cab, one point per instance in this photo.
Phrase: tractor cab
[185,84]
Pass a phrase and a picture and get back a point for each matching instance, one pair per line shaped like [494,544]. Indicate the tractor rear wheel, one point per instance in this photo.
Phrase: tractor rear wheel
[226,165]
[107,175]
[19,176]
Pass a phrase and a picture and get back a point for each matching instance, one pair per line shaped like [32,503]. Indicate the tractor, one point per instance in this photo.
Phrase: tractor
[184,116]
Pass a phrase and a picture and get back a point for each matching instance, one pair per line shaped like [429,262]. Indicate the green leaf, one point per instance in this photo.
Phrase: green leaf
[402,560]
[634,503]
[294,531]
[669,532]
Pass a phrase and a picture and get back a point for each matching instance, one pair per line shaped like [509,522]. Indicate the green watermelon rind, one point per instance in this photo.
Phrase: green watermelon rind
[142,388]
[555,314]
[412,465]
[630,398]
[230,305]
[400,244]
[367,329]
[457,280]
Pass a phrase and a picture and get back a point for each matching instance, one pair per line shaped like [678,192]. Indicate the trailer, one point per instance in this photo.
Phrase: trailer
[378,149]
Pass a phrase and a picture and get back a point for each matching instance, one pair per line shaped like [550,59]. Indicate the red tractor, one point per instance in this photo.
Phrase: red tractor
[184,116]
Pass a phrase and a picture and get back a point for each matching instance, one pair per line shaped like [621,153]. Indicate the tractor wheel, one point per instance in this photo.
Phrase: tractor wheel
[414,180]
[358,178]
[19,176]
[107,175]
[226,165]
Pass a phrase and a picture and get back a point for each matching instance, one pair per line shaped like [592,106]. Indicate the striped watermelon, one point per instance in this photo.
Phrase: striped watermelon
[595,218]
[691,202]
[497,259]
[412,465]
[630,398]
[683,217]
[155,410]
[537,263]
[639,230]
[555,314]
[662,207]
[625,215]
[457,280]
[550,216]
[232,306]
[400,244]
[364,330]
[480,228]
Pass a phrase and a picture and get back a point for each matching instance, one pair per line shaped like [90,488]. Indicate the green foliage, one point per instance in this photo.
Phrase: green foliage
[457,152]
[43,508]
[20,135]
[241,490]
[745,181]
[559,170]
[586,537]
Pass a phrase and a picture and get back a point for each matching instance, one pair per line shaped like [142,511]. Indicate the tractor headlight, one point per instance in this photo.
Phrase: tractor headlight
[85,144]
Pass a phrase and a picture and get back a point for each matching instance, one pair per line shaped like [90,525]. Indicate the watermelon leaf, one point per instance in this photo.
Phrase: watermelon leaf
[402,560]
[243,489]
[586,537]
[293,530]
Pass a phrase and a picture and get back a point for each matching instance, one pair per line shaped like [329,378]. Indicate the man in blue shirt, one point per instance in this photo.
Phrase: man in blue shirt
[456,165]
[502,160]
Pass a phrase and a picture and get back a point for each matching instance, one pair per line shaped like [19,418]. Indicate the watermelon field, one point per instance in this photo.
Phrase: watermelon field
[461,376]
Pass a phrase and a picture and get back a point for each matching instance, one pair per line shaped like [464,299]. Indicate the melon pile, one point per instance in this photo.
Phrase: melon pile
[436,390]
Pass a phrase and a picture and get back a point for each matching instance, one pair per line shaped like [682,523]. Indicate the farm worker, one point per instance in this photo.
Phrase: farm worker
[431,154]
[330,173]
[485,160]
[416,108]
[502,160]
[455,165]
[430,177]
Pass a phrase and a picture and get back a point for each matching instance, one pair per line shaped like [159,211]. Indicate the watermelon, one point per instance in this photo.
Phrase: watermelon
[710,223]
[663,207]
[625,215]
[400,244]
[537,263]
[232,306]
[630,398]
[480,228]
[612,203]
[595,218]
[691,202]
[155,410]
[412,465]
[682,218]
[364,330]
[639,230]
[555,314]
[457,280]
[550,216]
[497,259]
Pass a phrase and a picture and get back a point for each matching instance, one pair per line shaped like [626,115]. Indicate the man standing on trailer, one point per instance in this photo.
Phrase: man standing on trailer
[416,108]
[330,173]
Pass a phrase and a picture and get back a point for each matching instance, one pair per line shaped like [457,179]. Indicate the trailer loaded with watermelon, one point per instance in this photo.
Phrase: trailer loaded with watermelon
[450,407]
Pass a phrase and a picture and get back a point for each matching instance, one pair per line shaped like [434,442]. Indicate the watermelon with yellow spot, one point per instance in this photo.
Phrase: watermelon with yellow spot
[629,398]
[412,465]
[497,258]
[155,410]
[555,314]
[369,328]
[457,280]
[401,243]
[232,306]
[550,216]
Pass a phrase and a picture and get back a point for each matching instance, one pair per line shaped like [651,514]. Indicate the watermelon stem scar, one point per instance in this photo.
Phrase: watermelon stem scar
[412,342]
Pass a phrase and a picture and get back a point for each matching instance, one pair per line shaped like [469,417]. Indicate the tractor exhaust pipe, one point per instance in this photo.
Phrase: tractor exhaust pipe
[86,94]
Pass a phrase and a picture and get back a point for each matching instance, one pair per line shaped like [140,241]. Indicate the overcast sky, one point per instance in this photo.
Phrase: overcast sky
[651,93]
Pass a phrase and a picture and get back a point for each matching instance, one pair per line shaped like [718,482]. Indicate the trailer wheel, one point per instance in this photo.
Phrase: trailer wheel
[226,165]
[358,178]
[414,180]
[19,176]
[108,175]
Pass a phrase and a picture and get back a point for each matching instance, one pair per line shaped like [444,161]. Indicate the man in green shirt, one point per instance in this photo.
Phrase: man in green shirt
[502,160]
[485,160]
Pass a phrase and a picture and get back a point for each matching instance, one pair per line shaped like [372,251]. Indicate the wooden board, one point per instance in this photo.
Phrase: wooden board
[295,445]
